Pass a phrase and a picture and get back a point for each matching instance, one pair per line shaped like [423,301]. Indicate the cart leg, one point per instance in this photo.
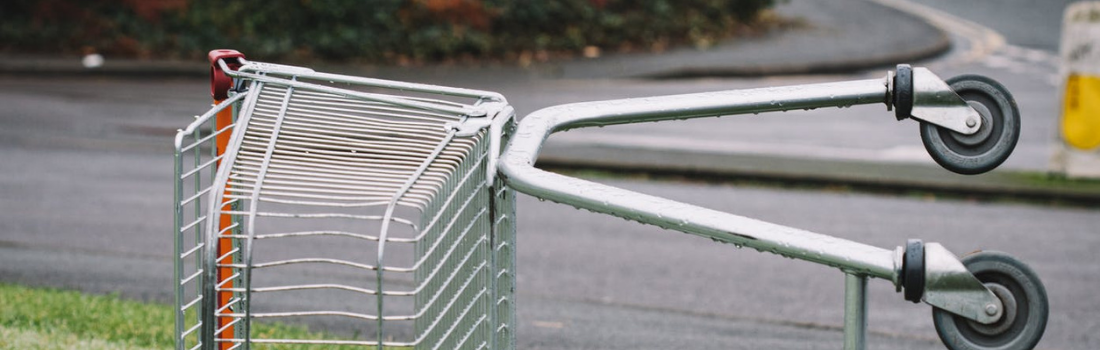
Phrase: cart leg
[855,311]
[224,245]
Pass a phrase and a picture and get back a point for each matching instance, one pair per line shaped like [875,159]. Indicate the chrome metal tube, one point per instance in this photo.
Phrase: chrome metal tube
[177,248]
[307,73]
[855,312]
[517,169]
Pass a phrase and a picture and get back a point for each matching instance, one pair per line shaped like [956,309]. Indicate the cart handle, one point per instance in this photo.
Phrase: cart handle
[221,61]
[518,171]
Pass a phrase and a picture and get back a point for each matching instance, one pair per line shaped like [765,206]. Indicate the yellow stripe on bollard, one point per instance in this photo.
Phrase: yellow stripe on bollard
[1081,112]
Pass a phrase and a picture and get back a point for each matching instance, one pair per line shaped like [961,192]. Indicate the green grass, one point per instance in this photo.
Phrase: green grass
[1054,180]
[32,318]
[39,318]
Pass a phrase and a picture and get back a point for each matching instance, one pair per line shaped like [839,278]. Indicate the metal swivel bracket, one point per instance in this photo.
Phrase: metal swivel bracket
[948,285]
[919,94]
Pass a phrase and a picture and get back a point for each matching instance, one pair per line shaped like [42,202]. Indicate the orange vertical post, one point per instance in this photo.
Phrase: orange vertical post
[219,90]
[225,245]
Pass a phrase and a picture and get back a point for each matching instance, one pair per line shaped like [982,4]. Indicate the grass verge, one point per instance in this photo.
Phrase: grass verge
[42,318]
[34,318]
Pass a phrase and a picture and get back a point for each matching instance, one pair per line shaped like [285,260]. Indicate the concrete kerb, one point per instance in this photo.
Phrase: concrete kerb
[52,66]
[839,36]
[899,178]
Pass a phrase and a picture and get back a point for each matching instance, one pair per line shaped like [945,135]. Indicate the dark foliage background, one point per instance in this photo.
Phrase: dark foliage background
[367,30]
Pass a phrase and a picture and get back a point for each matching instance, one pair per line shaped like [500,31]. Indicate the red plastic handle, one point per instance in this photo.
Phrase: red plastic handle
[219,82]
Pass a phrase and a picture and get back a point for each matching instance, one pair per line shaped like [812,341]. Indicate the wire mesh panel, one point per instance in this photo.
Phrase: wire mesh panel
[369,215]
[196,159]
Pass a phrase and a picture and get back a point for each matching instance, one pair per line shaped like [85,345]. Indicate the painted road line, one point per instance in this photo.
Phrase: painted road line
[982,40]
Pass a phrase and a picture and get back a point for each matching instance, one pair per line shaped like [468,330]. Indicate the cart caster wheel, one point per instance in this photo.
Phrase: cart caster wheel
[994,141]
[1023,319]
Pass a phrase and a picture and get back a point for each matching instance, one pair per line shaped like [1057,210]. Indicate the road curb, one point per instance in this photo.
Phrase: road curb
[819,67]
[870,58]
[901,178]
[842,36]
[982,40]
[125,68]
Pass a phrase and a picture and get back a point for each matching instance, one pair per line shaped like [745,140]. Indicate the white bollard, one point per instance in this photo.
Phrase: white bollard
[1078,152]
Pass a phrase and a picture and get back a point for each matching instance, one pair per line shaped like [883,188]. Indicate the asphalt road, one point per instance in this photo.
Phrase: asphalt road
[85,203]
[98,220]
[1031,24]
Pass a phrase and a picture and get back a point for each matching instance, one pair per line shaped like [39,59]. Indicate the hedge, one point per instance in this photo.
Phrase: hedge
[366,30]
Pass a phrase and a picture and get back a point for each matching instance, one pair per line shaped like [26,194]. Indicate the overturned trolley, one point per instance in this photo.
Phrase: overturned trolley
[392,188]
[370,208]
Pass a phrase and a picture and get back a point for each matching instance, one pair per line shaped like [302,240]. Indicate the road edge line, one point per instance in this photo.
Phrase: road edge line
[983,40]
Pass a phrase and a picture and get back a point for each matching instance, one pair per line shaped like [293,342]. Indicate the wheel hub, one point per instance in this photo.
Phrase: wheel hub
[983,132]
[1007,316]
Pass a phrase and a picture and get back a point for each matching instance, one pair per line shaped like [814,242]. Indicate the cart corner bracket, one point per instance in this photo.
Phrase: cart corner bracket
[933,101]
[951,287]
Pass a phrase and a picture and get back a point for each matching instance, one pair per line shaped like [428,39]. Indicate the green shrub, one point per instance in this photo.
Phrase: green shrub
[372,30]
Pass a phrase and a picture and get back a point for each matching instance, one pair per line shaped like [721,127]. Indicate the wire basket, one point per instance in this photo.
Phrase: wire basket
[364,207]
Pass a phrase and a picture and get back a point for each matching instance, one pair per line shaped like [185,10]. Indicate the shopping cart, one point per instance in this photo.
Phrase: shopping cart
[392,190]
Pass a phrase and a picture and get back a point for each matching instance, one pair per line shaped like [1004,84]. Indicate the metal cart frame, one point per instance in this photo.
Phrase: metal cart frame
[926,272]
[947,283]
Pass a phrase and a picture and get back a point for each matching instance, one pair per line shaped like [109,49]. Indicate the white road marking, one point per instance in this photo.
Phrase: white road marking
[986,46]
[1042,65]
[983,41]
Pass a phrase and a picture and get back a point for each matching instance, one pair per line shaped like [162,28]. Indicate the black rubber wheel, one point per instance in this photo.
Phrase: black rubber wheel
[994,141]
[1023,319]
